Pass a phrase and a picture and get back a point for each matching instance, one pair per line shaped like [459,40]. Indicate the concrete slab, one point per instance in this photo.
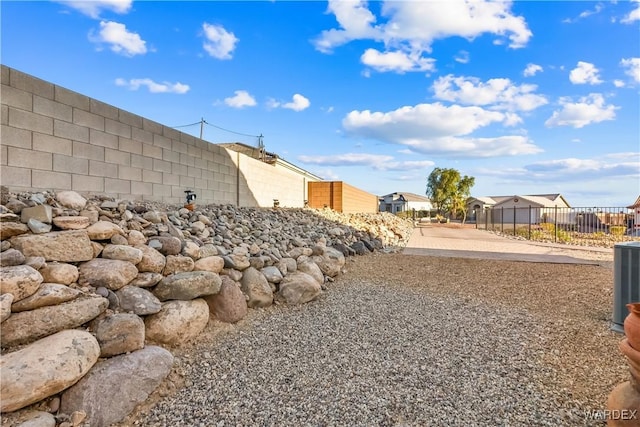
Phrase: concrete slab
[465,242]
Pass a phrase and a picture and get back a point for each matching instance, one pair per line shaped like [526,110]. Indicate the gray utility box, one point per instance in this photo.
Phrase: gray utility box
[626,281]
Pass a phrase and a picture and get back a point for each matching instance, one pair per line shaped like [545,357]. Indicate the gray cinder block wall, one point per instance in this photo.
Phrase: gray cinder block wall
[52,138]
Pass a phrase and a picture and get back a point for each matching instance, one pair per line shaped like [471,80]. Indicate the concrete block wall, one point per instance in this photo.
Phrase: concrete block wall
[265,182]
[320,195]
[341,197]
[355,200]
[52,138]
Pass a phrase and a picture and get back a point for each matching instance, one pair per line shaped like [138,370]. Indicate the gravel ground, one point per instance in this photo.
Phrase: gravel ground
[408,341]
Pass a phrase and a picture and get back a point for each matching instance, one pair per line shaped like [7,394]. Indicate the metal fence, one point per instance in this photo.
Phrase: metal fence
[558,224]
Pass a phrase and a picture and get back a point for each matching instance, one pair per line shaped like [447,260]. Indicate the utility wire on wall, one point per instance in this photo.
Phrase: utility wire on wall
[203,122]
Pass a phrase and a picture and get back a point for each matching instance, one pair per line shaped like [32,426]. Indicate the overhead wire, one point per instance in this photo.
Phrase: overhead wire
[219,127]
[184,126]
[231,131]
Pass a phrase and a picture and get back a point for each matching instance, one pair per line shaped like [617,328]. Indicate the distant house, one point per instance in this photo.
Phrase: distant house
[636,213]
[534,208]
[403,202]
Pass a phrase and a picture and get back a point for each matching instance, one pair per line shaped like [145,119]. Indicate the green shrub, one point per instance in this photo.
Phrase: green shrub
[617,230]
[548,227]
[538,235]
[563,236]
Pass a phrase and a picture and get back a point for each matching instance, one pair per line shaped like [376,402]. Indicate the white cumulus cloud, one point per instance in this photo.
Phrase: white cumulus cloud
[585,73]
[579,169]
[597,9]
[634,15]
[380,162]
[588,110]
[531,70]
[153,87]
[241,99]
[396,61]
[499,93]
[219,42]
[407,29]
[119,39]
[298,103]
[438,129]
[93,8]
[462,57]
[632,68]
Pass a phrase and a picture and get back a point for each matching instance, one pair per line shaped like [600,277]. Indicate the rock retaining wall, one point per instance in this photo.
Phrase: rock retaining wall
[95,293]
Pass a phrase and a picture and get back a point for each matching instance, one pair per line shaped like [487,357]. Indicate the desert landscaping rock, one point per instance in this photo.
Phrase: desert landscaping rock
[10,229]
[5,306]
[187,286]
[119,333]
[152,216]
[146,280]
[47,294]
[71,200]
[122,252]
[229,305]
[232,274]
[63,273]
[38,227]
[103,230]
[134,376]
[46,367]
[412,345]
[360,248]
[211,263]
[330,260]
[20,281]
[177,322]
[257,288]
[136,238]
[110,273]
[272,274]
[306,265]
[299,288]
[192,250]
[137,300]
[166,245]
[178,264]
[71,222]
[63,246]
[11,257]
[287,265]
[104,246]
[28,326]
[35,262]
[38,419]
[41,213]
[236,261]
[152,260]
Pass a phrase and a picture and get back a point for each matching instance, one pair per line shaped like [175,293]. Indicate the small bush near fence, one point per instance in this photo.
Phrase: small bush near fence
[603,227]
[548,227]
[418,214]
[617,230]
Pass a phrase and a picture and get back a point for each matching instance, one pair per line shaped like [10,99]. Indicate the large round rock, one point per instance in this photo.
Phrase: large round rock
[113,388]
[177,322]
[187,285]
[46,367]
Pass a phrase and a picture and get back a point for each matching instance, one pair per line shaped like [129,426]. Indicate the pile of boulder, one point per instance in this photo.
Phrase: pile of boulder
[95,292]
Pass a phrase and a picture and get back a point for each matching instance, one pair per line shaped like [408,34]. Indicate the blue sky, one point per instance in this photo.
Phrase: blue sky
[528,97]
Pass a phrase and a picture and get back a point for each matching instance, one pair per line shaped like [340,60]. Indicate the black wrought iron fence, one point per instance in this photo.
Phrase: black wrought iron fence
[559,224]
